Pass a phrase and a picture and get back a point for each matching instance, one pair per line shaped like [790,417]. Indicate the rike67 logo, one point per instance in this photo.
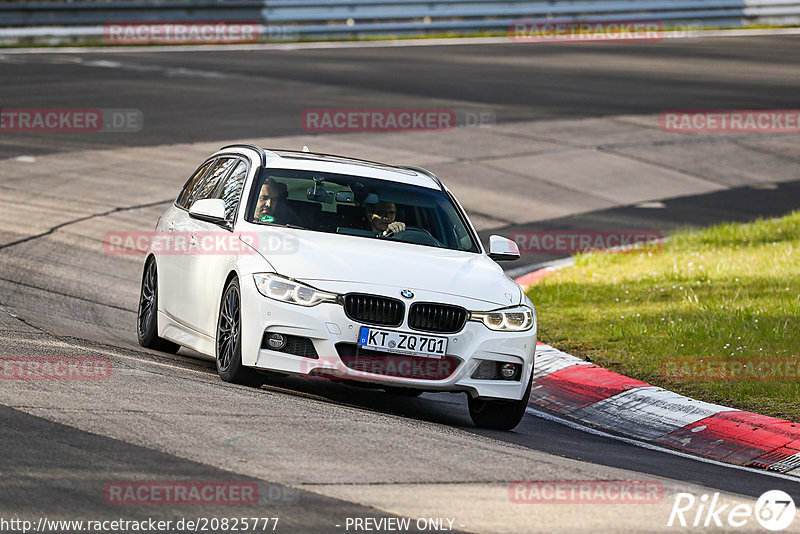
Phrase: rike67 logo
[774,511]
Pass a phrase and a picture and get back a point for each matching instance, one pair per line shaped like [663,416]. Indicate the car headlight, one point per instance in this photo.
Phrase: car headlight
[287,290]
[517,319]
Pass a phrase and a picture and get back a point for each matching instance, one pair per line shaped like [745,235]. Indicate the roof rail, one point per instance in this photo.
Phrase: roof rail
[299,154]
[340,159]
[308,154]
[258,149]
[426,172]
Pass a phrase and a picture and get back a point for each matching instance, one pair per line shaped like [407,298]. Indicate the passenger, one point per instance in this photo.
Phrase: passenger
[381,219]
[272,204]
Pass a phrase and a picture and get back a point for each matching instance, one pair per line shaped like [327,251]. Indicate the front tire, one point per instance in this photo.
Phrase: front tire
[499,414]
[229,339]
[147,316]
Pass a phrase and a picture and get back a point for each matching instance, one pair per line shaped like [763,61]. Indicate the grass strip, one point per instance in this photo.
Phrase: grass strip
[712,314]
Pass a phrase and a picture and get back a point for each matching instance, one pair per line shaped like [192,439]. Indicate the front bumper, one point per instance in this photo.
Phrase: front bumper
[334,337]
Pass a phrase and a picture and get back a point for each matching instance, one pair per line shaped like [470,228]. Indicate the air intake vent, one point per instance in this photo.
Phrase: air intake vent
[432,317]
[399,365]
[299,346]
[373,309]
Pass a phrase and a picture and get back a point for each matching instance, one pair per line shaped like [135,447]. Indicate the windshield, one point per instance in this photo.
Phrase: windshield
[358,206]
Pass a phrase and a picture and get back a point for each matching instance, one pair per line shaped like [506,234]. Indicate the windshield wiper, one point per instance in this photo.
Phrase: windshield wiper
[281,225]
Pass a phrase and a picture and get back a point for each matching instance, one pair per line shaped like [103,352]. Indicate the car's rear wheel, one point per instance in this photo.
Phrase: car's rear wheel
[499,414]
[229,339]
[147,316]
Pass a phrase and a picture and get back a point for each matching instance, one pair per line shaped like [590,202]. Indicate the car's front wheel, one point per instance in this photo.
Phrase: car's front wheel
[499,414]
[147,316]
[229,339]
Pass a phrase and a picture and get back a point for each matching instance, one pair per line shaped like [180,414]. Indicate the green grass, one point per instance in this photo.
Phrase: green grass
[730,292]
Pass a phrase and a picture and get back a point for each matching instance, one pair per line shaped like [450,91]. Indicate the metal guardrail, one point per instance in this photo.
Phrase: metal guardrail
[297,19]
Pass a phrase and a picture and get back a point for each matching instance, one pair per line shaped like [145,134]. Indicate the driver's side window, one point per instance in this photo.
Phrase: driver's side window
[206,190]
[231,190]
[193,183]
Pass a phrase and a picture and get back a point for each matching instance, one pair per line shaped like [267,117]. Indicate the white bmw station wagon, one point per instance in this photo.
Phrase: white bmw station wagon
[319,265]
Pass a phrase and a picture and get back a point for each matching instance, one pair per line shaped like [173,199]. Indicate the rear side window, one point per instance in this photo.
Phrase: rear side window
[192,184]
[207,188]
[232,189]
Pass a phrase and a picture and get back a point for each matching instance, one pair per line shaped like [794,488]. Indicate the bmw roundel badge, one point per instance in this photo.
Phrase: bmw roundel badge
[407,294]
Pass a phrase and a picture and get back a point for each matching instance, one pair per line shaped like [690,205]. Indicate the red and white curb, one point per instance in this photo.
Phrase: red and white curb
[581,391]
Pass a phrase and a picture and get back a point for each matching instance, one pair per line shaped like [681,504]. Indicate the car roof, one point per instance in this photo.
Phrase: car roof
[316,161]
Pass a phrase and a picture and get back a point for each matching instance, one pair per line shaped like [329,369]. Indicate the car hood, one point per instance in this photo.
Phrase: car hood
[315,256]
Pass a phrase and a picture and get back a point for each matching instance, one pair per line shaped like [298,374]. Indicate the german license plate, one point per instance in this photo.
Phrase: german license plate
[402,342]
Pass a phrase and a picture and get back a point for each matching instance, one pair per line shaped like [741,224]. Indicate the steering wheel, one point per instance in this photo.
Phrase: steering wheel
[413,234]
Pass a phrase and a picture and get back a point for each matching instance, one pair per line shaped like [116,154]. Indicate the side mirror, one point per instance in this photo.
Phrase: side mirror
[502,249]
[209,209]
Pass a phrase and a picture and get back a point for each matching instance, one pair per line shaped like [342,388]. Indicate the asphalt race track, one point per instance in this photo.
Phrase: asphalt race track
[322,452]
[213,95]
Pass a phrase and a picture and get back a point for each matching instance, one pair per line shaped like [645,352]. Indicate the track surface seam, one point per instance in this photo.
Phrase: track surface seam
[82,219]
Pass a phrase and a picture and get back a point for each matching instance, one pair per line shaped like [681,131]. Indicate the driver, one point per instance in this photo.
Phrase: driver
[272,204]
[381,219]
